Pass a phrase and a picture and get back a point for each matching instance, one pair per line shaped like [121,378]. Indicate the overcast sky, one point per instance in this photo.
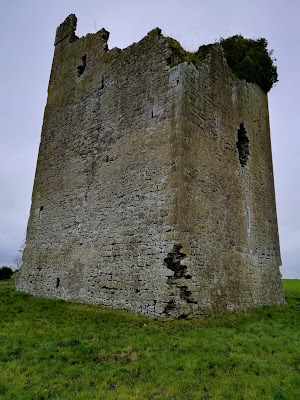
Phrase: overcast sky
[27,30]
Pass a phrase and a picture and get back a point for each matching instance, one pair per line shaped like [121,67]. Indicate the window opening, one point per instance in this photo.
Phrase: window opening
[81,67]
[40,211]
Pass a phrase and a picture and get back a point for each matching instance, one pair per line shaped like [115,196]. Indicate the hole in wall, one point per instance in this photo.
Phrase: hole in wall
[173,261]
[82,66]
[242,145]
[57,282]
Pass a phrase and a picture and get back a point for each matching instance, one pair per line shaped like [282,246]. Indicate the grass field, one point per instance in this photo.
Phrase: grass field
[59,350]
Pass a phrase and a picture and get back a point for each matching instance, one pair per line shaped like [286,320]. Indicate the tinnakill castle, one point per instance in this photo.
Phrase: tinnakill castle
[154,187]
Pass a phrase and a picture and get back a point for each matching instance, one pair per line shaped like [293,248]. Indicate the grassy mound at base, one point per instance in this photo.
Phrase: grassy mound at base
[59,350]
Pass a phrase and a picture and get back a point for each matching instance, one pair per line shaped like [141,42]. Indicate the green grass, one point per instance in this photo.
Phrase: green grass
[59,350]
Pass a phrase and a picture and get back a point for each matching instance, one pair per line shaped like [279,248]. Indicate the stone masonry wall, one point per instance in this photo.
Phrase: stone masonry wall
[142,198]
[225,209]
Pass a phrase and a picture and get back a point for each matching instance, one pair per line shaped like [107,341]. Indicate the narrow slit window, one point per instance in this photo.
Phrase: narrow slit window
[41,211]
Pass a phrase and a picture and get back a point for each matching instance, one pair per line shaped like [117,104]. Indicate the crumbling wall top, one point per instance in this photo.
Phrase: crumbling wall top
[66,29]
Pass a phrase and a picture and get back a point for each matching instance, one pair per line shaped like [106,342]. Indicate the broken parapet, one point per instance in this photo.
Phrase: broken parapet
[66,29]
[154,187]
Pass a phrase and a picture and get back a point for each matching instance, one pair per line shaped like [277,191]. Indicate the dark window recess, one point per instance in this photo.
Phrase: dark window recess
[242,145]
[57,282]
[40,211]
[81,67]
[102,83]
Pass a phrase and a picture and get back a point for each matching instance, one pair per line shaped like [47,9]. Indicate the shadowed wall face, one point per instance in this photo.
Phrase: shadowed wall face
[154,188]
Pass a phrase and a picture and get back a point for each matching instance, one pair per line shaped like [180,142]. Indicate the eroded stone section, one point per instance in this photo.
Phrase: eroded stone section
[178,280]
[140,201]
[242,145]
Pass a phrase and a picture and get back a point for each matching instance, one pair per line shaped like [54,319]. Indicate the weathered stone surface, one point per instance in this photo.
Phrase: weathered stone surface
[154,188]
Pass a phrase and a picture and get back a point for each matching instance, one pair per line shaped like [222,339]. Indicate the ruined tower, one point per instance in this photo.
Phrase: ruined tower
[154,187]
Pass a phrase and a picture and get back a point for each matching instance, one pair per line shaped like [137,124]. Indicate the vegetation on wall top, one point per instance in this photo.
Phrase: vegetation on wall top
[180,55]
[250,60]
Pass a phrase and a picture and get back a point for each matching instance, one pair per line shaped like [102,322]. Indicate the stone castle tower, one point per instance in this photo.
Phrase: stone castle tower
[154,186]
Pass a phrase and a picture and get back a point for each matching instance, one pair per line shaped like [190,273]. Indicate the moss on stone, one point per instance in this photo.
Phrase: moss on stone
[180,55]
